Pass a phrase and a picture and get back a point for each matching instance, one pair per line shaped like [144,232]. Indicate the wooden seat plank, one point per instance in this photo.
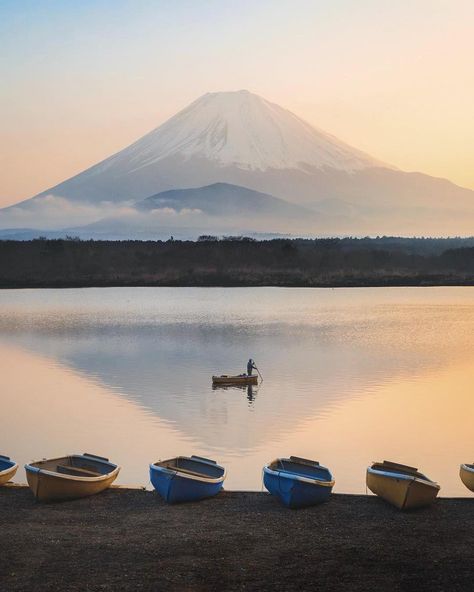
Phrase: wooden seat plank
[76,471]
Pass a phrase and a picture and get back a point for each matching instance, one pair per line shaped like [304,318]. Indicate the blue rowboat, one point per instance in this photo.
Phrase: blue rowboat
[186,478]
[8,468]
[298,482]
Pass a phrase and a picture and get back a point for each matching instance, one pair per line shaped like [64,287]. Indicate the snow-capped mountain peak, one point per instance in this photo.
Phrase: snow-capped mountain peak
[243,130]
[240,140]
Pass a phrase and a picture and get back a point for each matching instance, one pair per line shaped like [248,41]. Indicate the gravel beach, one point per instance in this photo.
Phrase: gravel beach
[129,540]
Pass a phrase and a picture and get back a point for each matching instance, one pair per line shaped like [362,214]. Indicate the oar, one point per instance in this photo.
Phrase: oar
[261,377]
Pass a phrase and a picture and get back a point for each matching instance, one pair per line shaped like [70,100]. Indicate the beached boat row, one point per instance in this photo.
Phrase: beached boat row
[296,482]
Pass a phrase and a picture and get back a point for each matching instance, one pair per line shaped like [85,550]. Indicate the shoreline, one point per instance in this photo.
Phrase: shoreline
[150,489]
[129,539]
[383,283]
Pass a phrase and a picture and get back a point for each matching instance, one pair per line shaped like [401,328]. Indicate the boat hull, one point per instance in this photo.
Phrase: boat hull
[466,472]
[49,486]
[235,380]
[8,468]
[298,483]
[405,492]
[176,486]
[296,494]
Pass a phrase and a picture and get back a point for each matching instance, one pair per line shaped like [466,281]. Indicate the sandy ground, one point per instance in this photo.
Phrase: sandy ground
[129,540]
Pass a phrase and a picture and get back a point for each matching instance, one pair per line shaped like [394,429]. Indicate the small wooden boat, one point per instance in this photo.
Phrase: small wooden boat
[8,469]
[401,485]
[70,477]
[466,472]
[187,478]
[298,482]
[240,379]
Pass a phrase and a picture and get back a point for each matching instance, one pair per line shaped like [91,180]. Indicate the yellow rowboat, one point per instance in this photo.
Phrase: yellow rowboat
[8,469]
[70,477]
[400,485]
[466,472]
[224,379]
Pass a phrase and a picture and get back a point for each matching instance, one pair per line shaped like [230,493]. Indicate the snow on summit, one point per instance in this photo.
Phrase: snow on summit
[241,140]
[228,137]
[244,130]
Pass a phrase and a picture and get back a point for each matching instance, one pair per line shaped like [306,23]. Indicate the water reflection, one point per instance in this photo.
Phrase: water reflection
[250,390]
[168,369]
[251,394]
[149,354]
[53,410]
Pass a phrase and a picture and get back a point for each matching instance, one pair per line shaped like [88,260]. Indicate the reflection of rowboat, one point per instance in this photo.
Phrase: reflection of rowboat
[234,387]
[400,485]
[242,379]
[466,473]
[8,469]
[298,482]
[70,477]
[186,478]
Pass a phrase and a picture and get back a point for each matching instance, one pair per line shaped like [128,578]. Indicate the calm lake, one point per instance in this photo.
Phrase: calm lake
[350,376]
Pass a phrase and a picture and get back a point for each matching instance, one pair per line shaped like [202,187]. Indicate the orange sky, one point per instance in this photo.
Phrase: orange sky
[82,80]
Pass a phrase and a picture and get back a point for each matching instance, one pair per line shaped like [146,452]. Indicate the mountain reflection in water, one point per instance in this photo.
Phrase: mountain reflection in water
[350,376]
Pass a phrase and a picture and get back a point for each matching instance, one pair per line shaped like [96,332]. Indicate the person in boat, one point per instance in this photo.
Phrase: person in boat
[250,366]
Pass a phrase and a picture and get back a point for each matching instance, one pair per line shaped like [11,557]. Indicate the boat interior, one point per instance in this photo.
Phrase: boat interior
[76,466]
[301,466]
[6,463]
[469,467]
[388,466]
[193,466]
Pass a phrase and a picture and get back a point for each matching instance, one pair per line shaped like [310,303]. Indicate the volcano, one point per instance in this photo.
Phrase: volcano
[241,139]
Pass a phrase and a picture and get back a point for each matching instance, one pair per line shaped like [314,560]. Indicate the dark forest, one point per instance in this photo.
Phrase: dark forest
[238,261]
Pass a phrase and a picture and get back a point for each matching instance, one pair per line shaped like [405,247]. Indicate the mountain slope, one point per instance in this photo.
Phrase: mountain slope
[218,134]
[238,138]
[244,130]
[224,199]
[215,209]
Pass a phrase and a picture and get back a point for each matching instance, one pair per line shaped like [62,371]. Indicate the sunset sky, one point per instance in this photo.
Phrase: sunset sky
[80,80]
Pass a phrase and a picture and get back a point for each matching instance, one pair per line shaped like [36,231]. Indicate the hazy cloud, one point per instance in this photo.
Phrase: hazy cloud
[55,212]
[172,212]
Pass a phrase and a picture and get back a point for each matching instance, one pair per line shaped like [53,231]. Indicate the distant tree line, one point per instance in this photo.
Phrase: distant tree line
[237,261]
